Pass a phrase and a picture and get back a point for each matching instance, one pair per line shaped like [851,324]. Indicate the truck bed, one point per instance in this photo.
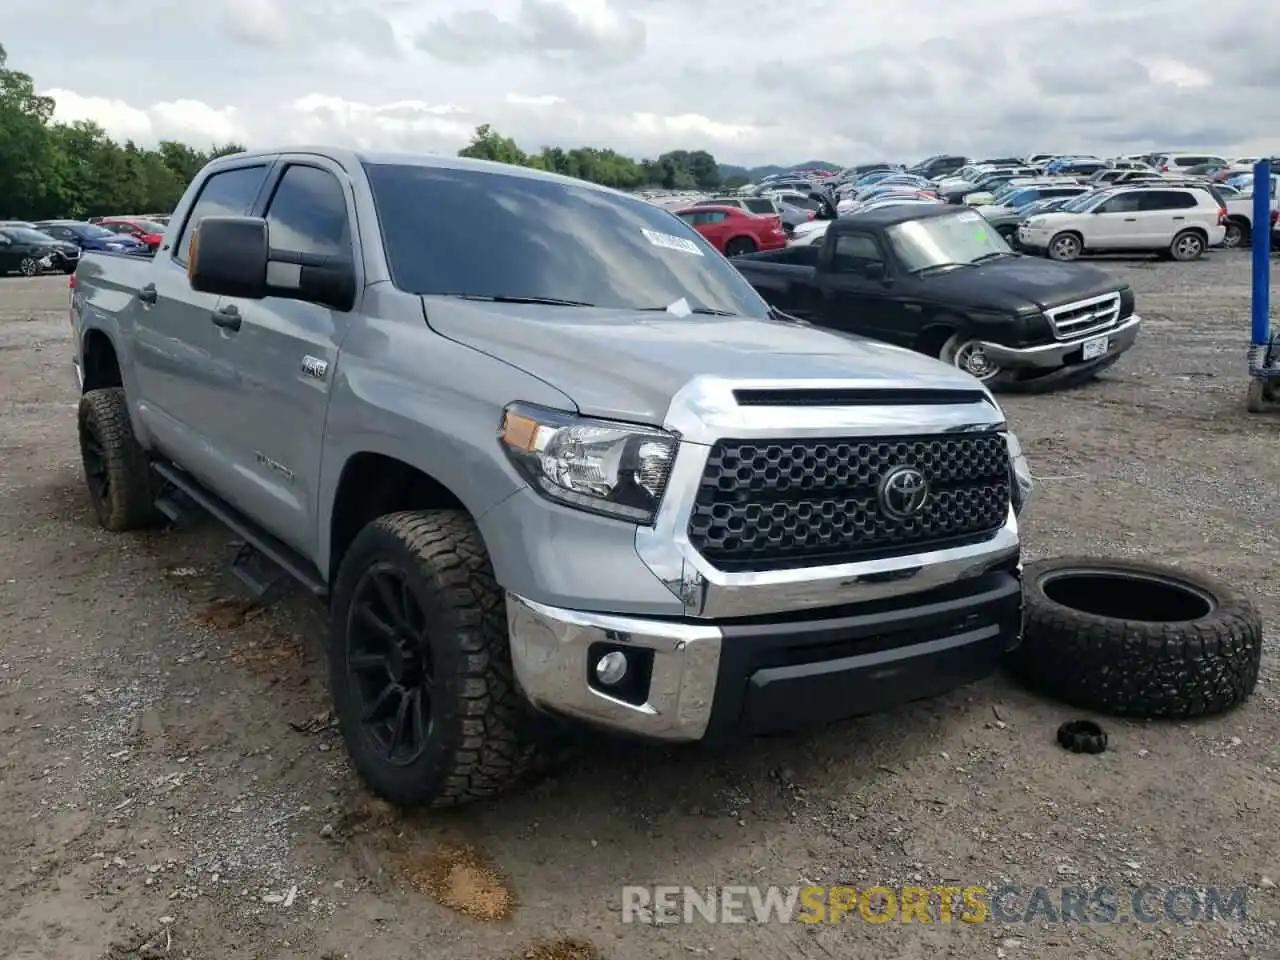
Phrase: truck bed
[802,256]
[785,278]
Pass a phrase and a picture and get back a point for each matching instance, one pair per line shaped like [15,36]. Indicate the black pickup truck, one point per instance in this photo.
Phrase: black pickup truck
[942,281]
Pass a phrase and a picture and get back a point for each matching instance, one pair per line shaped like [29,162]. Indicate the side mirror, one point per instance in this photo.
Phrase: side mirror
[232,257]
[874,271]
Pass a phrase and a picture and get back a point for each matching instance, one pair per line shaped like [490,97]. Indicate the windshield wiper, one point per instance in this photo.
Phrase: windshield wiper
[776,314]
[940,266]
[696,311]
[993,255]
[502,298]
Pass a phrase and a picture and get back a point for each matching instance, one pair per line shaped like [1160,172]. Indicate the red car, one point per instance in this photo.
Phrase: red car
[734,232]
[146,231]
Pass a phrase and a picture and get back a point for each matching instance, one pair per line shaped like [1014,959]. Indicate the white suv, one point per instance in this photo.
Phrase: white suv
[1181,221]
[1180,162]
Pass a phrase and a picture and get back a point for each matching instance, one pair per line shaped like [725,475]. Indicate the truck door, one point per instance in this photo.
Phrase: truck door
[854,297]
[272,418]
[179,376]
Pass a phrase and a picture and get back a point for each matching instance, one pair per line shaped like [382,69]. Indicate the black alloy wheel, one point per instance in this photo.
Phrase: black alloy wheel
[94,454]
[390,664]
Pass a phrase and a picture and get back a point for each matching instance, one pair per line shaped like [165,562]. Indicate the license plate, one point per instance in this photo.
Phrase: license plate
[1092,349]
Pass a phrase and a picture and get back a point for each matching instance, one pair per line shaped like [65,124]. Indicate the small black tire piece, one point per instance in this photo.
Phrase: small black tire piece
[481,736]
[1082,736]
[1136,639]
[121,485]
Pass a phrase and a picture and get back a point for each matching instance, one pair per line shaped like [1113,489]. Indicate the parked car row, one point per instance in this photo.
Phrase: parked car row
[33,247]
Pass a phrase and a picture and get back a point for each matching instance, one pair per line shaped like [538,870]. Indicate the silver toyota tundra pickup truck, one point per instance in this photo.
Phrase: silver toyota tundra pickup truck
[546,457]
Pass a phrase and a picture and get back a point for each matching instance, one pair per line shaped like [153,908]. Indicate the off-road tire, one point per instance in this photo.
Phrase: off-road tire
[128,502]
[1138,668]
[484,737]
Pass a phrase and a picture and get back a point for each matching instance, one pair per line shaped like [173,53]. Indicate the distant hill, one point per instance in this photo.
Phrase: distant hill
[753,174]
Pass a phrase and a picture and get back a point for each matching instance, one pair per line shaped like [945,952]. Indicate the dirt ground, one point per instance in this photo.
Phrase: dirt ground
[171,785]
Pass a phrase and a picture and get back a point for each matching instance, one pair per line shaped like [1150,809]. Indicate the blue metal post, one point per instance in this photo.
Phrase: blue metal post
[1261,254]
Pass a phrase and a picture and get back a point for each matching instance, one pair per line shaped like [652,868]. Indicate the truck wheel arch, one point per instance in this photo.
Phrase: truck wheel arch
[940,328]
[374,484]
[100,363]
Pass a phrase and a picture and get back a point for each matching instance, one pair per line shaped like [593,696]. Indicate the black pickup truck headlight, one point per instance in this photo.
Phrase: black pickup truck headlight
[1020,480]
[613,469]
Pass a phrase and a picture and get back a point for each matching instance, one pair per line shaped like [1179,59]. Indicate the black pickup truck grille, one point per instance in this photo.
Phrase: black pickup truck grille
[773,504]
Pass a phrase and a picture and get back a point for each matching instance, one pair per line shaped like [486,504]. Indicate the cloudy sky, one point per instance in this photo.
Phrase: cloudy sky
[753,81]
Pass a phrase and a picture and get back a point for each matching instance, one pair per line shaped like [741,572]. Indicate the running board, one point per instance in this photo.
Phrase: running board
[258,544]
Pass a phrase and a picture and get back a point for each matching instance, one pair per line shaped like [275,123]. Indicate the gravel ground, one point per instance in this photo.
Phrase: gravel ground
[172,784]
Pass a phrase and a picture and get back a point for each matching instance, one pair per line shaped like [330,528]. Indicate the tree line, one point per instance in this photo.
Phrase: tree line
[674,170]
[52,169]
[76,170]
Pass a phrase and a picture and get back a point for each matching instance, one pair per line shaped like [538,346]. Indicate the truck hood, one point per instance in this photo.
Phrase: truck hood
[1018,282]
[627,365]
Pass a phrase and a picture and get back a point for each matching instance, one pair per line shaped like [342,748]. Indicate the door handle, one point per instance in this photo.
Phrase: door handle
[147,294]
[228,318]
[1179,218]
[1130,219]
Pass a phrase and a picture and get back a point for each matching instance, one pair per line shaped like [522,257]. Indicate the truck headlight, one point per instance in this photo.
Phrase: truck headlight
[614,469]
[1021,470]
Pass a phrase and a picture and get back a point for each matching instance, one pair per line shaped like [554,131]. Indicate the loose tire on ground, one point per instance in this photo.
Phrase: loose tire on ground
[121,484]
[1136,639]
[477,734]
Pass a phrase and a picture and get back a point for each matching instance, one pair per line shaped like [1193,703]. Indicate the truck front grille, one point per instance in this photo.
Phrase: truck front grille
[1073,320]
[765,505]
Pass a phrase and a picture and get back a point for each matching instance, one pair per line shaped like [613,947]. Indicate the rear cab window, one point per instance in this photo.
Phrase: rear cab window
[227,193]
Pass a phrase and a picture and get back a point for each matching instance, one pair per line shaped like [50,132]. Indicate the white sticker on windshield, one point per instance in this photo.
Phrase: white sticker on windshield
[968,217]
[680,308]
[671,243]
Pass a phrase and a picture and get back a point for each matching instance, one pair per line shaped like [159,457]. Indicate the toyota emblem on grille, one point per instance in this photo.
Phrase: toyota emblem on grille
[903,492]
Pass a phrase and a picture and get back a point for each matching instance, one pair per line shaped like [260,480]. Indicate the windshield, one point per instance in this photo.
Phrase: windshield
[91,231]
[26,235]
[960,238]
[455,231]
[1084,202]
[1020,197]
[148,226]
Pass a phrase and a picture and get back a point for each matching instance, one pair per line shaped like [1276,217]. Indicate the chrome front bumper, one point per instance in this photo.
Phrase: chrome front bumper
[726,682]
[1051,356]
[551,653]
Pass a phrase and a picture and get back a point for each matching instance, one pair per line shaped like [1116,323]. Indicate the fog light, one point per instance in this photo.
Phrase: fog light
[611,668]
